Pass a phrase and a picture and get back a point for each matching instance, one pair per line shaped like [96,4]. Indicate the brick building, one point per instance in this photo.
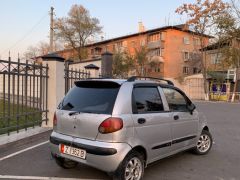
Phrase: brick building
[174,49]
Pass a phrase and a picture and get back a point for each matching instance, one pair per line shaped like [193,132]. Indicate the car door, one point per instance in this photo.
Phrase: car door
[151,121]
[184,126]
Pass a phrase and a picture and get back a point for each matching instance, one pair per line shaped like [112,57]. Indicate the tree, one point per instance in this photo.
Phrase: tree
[31,52]
[40,49]
[123,62]
[229,33]
[201,17]
[141,59]
[77,28]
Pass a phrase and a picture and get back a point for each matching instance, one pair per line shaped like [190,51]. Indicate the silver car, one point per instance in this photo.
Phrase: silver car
[121,126]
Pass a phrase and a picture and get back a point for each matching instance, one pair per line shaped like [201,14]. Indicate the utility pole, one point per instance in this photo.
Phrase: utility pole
[51,30]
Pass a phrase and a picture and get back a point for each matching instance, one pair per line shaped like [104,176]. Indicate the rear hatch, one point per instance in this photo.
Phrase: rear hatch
[85,107]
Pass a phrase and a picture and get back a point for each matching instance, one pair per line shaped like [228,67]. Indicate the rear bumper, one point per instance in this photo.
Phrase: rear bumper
[98,153]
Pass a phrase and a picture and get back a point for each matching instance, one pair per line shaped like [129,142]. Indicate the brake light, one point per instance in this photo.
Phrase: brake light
[110,125]
[55,119]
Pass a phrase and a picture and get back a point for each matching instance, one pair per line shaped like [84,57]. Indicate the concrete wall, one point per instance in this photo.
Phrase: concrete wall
[193,86]
[81,65]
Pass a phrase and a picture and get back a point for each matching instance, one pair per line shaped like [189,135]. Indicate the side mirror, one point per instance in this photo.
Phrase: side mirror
[191,107]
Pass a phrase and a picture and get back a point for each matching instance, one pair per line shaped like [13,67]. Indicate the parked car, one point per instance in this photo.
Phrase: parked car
[121,126]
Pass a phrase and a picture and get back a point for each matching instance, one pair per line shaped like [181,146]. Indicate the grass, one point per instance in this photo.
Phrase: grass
[27,117]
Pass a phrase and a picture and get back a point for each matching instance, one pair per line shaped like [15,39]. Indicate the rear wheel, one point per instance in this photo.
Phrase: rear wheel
[204,143]
[65,163]
[132,167]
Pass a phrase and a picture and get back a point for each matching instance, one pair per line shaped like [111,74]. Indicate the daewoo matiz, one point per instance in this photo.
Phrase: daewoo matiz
[120,126]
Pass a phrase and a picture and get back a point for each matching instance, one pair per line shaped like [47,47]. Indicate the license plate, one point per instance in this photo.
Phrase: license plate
[80,153]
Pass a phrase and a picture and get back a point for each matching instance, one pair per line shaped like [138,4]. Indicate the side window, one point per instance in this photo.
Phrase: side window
[147,99]
[175,99]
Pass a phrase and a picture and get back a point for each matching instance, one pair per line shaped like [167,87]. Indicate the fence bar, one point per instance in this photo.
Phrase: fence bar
[4,99]
[46,93]
[71,75]
[9,100]
[26,78]
[18,89]
[33,94]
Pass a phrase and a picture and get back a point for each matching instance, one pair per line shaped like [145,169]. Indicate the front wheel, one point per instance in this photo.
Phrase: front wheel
[204,143]
[132,167]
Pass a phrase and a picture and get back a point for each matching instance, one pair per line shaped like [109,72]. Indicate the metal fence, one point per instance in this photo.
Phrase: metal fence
[23,95]
[71,75]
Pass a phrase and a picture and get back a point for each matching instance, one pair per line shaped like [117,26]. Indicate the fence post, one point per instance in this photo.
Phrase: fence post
[56,84]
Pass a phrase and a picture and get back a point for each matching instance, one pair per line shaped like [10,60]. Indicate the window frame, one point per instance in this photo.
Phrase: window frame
[187,100]
[186,70]
[146,85]
[186,56]
[186,40]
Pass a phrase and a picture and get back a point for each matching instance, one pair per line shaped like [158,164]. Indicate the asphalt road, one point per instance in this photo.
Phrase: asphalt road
[222,163]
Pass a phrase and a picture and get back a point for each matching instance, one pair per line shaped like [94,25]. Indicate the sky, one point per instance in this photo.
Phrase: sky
[26,22]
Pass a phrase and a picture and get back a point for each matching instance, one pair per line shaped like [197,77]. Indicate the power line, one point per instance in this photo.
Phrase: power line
[25,36]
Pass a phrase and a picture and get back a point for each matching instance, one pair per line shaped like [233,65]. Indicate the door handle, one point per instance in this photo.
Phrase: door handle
[141,121]
[176,117]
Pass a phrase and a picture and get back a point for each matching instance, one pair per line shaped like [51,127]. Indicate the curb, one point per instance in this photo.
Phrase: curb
[23,134]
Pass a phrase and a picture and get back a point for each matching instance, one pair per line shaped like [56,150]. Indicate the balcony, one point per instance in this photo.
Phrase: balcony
[155,44]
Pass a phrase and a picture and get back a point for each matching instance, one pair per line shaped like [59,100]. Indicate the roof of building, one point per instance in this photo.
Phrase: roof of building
[181,27]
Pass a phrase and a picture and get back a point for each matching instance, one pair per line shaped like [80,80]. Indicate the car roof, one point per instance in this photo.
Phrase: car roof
[121,81]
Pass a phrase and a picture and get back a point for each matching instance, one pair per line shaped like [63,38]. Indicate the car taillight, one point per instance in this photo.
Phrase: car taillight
[110,125]
[55,119]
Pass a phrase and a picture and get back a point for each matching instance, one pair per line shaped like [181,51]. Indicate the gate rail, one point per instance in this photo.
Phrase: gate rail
[23,95]
[71,75]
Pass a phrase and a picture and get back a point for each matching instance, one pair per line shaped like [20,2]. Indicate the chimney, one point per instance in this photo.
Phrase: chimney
[141,27]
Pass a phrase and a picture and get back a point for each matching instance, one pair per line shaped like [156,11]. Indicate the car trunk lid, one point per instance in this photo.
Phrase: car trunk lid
[85,107]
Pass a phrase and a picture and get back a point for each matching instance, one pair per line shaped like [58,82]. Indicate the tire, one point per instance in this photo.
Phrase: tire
[204,143]
[137,169]
[65,163]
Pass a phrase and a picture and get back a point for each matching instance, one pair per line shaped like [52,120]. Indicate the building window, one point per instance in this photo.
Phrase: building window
[98,50]
[196,41]
[186,56]
[216,58]
[92,51]
[185,70]
[186,40]
[118,46]
[142,43]
[162,36]
[106,48]
[156,52]
[195,70]
[133,43]
[157,69]
[154,37]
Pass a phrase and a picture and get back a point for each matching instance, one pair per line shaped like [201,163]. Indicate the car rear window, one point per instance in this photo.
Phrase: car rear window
[91,97]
